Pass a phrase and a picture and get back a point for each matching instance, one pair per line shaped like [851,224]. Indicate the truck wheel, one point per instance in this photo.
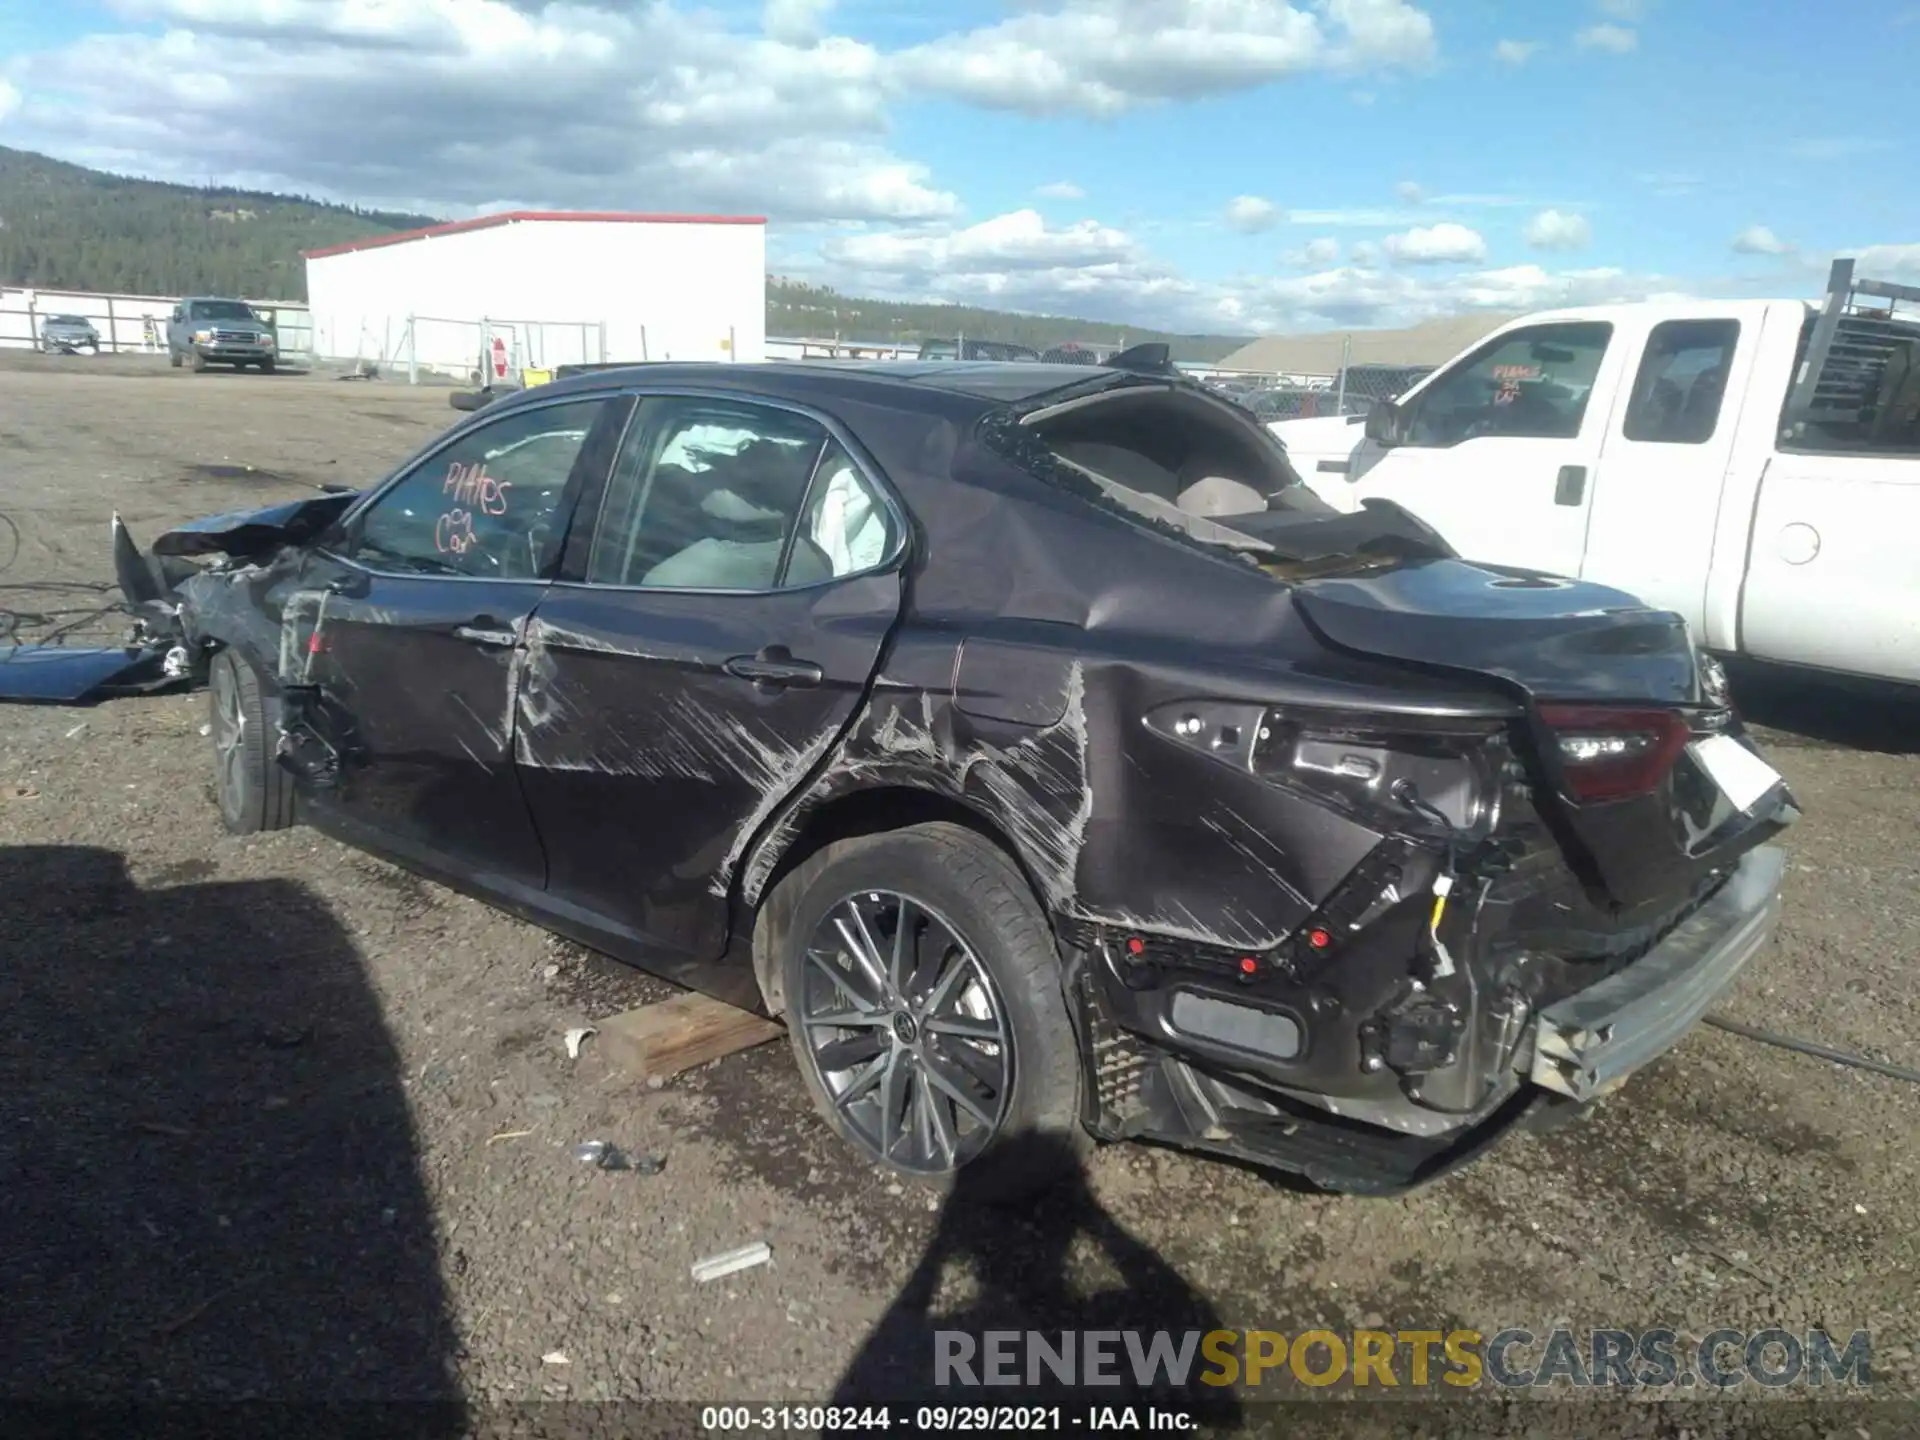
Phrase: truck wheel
[173,358]
[922,998]
[254,792]
[197,362]
[266,367]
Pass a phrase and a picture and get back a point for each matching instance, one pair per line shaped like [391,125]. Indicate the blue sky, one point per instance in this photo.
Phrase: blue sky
[1234,165]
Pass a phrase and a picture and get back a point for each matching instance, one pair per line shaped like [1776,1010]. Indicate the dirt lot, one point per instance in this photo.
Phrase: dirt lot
[278,1119]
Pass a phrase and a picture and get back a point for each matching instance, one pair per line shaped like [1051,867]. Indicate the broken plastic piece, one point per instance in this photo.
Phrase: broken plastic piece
[604,1156]
[575,1037]
[730,1261]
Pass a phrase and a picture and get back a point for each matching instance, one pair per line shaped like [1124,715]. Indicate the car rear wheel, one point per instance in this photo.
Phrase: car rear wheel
[255,794]
[923,1002]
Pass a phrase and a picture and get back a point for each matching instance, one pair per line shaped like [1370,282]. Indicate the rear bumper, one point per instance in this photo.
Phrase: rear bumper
[1307,1106]
[1589,1043]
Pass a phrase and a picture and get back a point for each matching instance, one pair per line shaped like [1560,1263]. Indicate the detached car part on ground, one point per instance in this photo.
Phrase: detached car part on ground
[1036,745]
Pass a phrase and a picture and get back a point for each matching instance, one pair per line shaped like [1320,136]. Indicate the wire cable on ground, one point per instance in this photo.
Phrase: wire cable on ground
[1809,1047]
[58,623]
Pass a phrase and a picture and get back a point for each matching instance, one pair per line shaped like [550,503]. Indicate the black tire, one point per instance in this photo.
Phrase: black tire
[197,362]
[173,358]
[266,367]
[962,886]
[252,790]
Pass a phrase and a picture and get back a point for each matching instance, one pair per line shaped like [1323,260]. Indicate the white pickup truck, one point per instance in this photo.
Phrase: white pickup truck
[1753,465]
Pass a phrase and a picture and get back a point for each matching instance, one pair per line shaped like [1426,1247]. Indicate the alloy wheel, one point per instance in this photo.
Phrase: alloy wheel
[906,1031]
[229,739]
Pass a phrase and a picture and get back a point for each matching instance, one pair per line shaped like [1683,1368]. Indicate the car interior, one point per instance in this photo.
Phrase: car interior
[1182,457]
[712,512]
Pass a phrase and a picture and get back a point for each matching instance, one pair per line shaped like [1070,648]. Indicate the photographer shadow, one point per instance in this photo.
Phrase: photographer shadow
[210,1185]
[1054,1262]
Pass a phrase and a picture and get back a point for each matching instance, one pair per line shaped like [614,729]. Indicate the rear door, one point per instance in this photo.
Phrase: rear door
[406,634]
[721,612]
[1666,457]
[1501,447]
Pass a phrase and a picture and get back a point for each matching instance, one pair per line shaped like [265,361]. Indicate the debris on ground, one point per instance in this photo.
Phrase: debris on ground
[556,1357]
[728,1262]
[575,1038]
[606,1156]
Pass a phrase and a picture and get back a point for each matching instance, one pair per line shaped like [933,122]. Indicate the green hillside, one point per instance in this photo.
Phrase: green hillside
[65,227]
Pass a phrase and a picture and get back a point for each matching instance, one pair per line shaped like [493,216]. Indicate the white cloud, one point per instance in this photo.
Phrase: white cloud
[587,105]
[795,21]
[1358,296]
[1442,244]
[1323,251]
[1020,240]
[1516,52]
[1250,214]
[1410,193]
[1061,190]
[1102,57]
[1621,9]
[1876,260]
[1615,39]
[1558,230]
[1759,240]
[1365,253]
[9,99]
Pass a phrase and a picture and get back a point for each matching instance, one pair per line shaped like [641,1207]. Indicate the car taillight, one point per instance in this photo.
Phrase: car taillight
[1607,753]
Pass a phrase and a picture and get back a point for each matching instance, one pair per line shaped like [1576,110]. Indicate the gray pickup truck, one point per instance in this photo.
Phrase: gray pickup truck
[203,332]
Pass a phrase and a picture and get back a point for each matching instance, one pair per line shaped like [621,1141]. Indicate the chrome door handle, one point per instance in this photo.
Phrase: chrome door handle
[485,630]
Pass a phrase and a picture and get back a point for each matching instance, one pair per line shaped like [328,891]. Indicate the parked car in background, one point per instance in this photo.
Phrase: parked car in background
[965,349]
[1028,736]
[64,334]
[203,332]
[1753,466]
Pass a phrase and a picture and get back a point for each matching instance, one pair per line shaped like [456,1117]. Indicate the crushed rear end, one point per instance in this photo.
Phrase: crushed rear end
[1560,884]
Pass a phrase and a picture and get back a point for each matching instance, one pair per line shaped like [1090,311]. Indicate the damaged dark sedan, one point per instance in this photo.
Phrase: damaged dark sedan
[1032,742]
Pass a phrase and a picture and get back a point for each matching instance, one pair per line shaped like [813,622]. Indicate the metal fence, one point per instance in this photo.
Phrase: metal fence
[489,350]
[130,324]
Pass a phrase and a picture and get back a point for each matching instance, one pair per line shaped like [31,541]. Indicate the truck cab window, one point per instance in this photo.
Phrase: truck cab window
[1682,381]
[1531,383]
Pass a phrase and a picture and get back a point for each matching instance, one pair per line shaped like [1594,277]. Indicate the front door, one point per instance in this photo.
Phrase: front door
[719,618]
[1501,448]
[402,640]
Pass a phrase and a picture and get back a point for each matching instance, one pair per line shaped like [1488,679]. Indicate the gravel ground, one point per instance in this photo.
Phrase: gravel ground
[282,1120]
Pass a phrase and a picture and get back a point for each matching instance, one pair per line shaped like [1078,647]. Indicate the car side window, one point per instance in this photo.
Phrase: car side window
[1532,383]
[706,495]
[845,527]
[486,505]
[1682,381]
